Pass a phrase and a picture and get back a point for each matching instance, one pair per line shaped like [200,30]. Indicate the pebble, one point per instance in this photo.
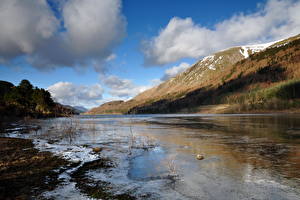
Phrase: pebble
[199,157]
[97,149]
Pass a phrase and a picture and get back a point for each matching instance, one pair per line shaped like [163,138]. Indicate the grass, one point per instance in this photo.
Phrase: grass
[284,95]
[171,166]
[230,74]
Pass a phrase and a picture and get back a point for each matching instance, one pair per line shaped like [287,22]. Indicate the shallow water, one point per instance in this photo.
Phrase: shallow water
[245,156]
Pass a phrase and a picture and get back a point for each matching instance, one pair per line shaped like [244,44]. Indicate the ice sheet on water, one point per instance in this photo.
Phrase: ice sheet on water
[69,152]
[124,145]
[67,192]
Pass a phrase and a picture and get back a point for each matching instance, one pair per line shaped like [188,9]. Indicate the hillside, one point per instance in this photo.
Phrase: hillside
[25,100]
[107,108]
[245,78]
[80,109]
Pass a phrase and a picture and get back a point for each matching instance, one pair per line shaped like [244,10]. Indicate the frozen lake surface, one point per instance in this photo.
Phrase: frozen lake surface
[154,156]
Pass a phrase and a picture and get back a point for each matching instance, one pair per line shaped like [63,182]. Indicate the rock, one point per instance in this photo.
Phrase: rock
[199,157]
[97,149]
[76,161]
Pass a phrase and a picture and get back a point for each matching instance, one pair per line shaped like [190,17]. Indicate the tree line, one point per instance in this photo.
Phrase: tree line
[27,100]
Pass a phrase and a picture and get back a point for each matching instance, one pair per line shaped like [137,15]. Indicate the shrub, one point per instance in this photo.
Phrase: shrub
[281,96]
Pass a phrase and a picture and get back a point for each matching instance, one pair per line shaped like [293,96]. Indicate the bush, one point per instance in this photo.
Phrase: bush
[281,96]
[25,100]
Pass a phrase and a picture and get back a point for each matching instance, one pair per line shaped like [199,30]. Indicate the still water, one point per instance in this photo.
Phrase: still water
[154,156]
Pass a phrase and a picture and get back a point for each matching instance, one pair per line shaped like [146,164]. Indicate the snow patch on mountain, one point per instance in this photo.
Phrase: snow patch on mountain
[211,62]
[211,67]
[254,48]
[208,58]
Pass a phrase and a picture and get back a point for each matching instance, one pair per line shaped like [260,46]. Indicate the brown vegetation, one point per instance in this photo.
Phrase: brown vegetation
[24,171]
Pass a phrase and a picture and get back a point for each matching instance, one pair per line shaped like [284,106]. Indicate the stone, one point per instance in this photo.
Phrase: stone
[199,157]
[97,149]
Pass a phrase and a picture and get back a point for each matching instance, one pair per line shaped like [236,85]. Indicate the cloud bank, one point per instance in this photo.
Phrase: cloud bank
[182,38]
[89,96]
[122,88]
[25,25]
[173,71]
[80,33]
[76,95]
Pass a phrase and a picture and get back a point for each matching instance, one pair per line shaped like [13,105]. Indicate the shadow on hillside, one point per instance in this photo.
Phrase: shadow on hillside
[206,96]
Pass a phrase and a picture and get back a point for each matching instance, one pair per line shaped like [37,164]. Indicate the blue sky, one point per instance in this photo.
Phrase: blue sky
[115,49]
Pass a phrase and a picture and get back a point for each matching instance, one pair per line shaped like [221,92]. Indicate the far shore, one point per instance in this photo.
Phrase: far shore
[216,109]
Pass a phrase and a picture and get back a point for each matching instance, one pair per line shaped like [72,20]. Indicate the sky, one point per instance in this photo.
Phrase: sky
[88,52]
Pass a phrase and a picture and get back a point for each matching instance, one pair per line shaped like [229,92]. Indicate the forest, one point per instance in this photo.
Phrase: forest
[26,100]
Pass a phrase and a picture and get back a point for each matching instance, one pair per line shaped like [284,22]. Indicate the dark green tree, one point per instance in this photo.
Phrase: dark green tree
[25,89]
[5,87]
[42,101]
[14,97]
[27,100]
[25,85]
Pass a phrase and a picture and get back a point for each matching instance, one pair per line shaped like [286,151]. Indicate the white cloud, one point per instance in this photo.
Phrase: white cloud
[173,71]
[122,88]
[93,25]
[76,95]
[91,29]
[111,57]
[24,25]
[183,38]
[155,82]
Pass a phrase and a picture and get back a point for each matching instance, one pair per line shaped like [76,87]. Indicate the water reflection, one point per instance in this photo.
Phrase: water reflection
[245,156]
[238,146]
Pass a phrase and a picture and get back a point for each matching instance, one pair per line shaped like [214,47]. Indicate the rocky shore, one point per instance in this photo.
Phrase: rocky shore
[25,172]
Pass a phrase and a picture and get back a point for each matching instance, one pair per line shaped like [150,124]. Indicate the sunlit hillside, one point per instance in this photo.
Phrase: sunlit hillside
[244,78]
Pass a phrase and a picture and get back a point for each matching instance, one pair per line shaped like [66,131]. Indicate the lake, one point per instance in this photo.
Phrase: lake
[154,156]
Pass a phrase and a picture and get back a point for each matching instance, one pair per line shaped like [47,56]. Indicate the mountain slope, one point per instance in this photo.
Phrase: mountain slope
[200,74]
[107,108]
[219,78]
[80,109]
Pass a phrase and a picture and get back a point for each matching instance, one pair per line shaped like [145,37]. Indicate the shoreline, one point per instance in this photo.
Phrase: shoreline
[31,169]
[211,109]
[230,109]
[26,172]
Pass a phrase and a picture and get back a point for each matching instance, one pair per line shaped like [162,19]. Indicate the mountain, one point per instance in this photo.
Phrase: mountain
[243,78]
[75,109]
[80,109]
[107,108]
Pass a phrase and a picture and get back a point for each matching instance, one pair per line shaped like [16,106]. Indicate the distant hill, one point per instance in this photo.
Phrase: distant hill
[245,78]
[80,109]
[76,109]
[108,108]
